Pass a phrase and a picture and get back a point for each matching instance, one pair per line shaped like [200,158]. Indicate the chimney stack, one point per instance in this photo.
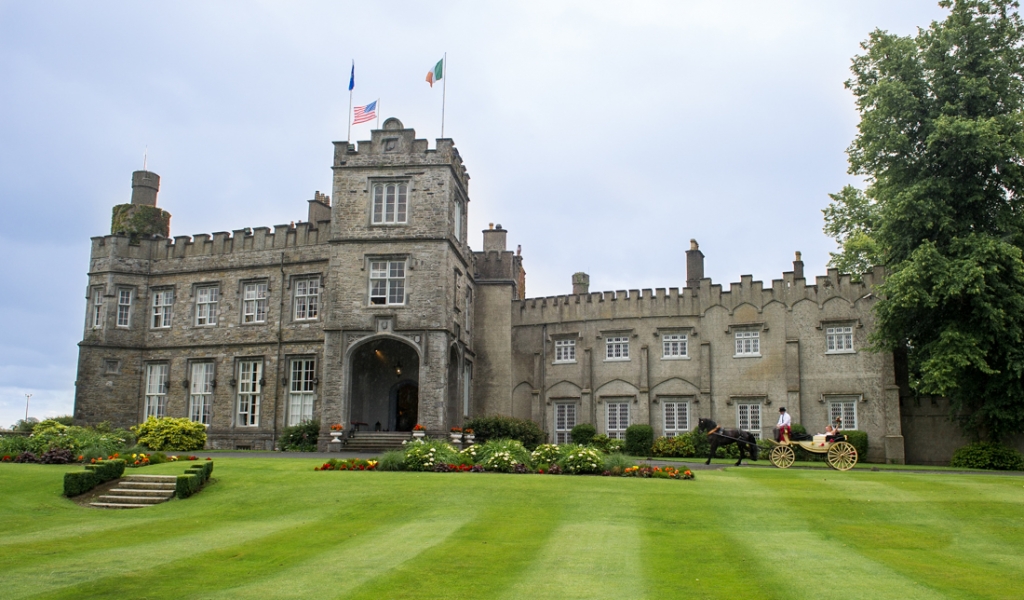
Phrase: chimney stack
[694,265]
[798,267]
[494,238]
[319,208]
[580,283]
[145,185]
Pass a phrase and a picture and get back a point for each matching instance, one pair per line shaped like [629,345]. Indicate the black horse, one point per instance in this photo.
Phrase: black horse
[744,440]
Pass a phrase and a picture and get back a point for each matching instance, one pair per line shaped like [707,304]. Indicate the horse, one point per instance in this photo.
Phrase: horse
[723,437]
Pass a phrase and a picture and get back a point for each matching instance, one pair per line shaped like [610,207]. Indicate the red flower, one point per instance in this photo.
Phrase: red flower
[208,458]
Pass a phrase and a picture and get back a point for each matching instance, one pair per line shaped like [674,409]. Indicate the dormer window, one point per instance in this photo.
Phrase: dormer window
[390,202]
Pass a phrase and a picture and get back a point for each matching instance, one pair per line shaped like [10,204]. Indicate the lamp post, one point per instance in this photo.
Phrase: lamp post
[27,398]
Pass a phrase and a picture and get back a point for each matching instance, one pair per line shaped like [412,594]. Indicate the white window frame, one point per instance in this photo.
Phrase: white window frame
[301,390]
[839,339]
[616,419]
[675,346]
[469,307]
[748,418]
[458,221]
[845,407]
[201,384]
[207,300]
[97,308]
[255,302]
[125,296]
[565,420]
[306,298]
[156,390]
[748,343]
[162,305]
[250,390]
[387,282]
[676,417]
[616,347]
[390,204]
[565,351]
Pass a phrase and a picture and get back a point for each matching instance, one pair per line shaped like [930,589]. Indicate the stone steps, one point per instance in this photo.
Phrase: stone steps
[376,441]
[138,491]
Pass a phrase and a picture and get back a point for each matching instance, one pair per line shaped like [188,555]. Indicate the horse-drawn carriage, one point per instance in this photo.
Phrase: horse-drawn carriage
[839,454]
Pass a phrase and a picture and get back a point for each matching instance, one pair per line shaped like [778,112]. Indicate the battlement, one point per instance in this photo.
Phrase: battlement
[220,243]
[695,301]
[396,145]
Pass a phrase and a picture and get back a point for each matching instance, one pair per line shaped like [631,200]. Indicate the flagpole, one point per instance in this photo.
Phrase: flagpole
[351,81]
[378,113]
[444,89]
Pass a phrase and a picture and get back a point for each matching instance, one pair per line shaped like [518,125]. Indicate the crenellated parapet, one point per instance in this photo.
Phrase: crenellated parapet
[694,302]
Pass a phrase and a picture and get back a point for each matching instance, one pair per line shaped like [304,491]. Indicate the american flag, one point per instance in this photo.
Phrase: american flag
[366,113]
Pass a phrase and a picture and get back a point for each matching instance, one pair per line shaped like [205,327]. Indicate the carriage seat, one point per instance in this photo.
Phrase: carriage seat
[819,441]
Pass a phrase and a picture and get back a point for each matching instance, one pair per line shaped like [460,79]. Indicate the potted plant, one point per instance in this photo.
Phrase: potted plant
[456,434]
[419,431]
[467,435]
[336,430]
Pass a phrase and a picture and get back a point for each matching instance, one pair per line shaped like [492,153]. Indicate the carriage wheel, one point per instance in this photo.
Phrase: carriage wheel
[782,456]
[842,456]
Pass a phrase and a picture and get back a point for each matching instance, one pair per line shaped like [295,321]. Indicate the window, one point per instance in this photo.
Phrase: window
[301,387]
[677,418]
[389,203]
[565,420]
[163,300]
[469,307]
[254,303]
[618,419]
[748,418]
[565,351]
[468,386]
[846,410]
[156,390]
[838,339]
[674,345]
[748,343]
[97,308]
[124,307]
[206,305]
[458,220]
[201,396]
[307,299]
[250,387]
[387,282]
[617,348]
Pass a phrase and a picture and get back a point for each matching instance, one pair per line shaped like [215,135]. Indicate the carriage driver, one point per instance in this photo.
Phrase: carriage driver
[783,428]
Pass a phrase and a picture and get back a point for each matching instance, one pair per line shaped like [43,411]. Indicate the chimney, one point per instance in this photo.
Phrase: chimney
[580,283]
[145,185]
[319,208]
[694,265]
[798,267]
[494,238]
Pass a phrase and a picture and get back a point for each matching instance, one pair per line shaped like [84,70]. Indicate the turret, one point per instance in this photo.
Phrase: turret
[141,217]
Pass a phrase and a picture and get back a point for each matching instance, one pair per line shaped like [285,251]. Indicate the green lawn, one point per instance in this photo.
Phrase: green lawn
[274,528]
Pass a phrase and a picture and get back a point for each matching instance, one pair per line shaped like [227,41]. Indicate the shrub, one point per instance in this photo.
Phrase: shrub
[503,455]
[986,455]
[14,444]
[26,457]
[680,445]
[57,456]
[470,455]
[617,463]
[169,433]
[107,470]
[64,420]
[581,460]
[79,482]
[25,425]
[606,444]
[93,452]
[422,455]
[301,437]
[639,439]
[392,460]
[186,485]
[859,439]
[500,427]
[582,434]
[546,454]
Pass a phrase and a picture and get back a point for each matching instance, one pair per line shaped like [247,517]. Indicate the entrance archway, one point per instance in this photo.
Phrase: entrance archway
[384,387]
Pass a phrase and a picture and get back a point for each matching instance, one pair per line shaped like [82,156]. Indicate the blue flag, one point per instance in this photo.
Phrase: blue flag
[352,78]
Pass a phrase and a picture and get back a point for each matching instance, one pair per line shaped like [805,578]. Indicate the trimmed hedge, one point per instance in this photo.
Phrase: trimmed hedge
[582,434]
[986,455]
[107,470]
[500,427]
[639,439]
[194,478]
[79,482]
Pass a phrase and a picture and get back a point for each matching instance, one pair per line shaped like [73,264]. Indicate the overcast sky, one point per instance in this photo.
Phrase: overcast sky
[602,135]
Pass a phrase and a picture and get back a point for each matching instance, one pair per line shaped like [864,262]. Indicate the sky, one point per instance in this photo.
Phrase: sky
[602,135]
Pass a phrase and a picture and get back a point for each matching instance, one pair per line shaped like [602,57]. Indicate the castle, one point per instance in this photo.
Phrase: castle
[375,311]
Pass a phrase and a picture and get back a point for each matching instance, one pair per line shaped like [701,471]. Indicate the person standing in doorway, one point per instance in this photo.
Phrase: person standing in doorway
[784,427]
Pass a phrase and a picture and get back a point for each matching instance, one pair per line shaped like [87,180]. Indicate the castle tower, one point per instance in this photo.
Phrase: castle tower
[141,217]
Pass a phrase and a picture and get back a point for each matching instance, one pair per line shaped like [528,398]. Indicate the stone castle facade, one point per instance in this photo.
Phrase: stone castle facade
[375,310]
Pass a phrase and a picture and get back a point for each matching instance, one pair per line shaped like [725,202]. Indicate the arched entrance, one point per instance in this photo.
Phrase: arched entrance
[384,386]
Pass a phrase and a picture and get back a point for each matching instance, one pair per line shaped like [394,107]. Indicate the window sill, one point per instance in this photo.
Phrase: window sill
[252,323]
[746,356]
[675,357]
[386,306]
[828,352]
[564,362]
[617,359]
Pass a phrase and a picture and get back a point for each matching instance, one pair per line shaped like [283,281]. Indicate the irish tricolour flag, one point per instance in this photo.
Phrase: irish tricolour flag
[436,73]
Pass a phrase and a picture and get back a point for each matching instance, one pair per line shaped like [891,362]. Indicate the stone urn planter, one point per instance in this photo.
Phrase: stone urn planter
[456,438]
[419,434]
[336,437]
[467,438]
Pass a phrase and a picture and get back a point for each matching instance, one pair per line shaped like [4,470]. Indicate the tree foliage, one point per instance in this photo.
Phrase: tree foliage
[941,145]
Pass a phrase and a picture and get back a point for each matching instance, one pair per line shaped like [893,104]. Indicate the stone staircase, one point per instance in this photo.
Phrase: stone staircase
[375,442]
[138,491]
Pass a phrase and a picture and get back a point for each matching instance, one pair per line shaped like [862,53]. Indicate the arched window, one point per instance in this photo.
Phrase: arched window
[390,203]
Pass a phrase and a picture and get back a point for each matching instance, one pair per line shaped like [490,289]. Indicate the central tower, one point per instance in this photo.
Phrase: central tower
[400,285]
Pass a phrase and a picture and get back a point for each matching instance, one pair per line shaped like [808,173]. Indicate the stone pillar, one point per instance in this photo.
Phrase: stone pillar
[798,267]
[580,284]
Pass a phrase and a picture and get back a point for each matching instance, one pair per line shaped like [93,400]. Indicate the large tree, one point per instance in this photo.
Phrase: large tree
[941,147]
